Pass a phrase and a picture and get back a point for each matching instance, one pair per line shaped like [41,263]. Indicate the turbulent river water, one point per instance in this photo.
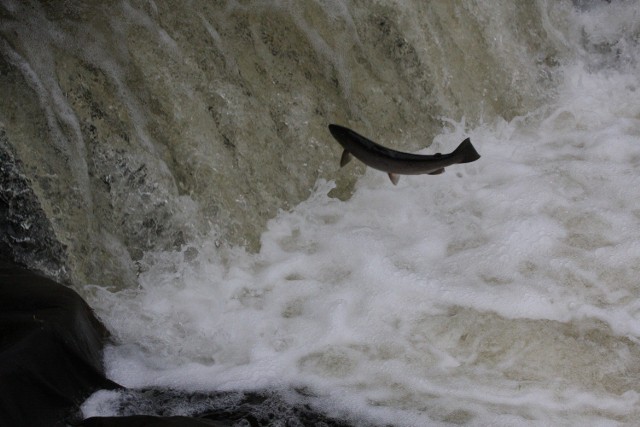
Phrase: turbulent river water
[180,154]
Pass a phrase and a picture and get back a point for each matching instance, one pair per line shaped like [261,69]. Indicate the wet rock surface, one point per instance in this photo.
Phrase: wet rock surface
[216,409]
[26,234]
[50,350]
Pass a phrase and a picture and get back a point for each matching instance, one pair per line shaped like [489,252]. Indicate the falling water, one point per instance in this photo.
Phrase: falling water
[180,156]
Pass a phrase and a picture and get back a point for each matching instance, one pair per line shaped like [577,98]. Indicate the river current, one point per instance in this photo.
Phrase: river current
[502,292]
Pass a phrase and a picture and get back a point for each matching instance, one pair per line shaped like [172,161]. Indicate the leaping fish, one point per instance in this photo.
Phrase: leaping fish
[394,162]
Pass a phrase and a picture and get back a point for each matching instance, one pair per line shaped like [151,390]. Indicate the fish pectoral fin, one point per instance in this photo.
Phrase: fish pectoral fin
[394,178]
[436,172]
[346,158]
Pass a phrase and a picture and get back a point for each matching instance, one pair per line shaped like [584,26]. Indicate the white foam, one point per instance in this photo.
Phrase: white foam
[504,291]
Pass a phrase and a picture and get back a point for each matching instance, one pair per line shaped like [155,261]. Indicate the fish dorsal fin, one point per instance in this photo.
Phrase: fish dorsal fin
[346,158]
[394,178]
[436,172]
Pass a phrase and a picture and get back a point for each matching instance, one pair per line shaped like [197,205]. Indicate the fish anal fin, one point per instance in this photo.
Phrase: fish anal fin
[436,172]
[346,158]
[394,178]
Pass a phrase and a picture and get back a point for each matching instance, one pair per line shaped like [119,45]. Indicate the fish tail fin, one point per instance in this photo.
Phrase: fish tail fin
[465,152]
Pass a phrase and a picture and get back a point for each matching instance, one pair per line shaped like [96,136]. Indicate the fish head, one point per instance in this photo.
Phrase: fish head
[340,133]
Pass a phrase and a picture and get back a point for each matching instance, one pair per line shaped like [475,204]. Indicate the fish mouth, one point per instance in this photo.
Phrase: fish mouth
[338,131]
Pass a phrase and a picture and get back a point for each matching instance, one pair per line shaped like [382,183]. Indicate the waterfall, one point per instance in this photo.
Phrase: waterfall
[171,160]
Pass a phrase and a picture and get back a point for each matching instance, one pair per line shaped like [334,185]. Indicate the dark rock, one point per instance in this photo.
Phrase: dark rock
[50,350]
[161,407]
[151,421]
[26,235]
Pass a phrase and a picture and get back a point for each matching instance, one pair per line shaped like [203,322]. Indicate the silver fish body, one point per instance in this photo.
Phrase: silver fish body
[396,162]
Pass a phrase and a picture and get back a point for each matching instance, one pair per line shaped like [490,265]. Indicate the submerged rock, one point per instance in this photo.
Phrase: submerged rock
[160,408]
[151,421]
[26,234]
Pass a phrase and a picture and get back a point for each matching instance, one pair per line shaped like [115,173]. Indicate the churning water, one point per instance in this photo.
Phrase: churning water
[503,292]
